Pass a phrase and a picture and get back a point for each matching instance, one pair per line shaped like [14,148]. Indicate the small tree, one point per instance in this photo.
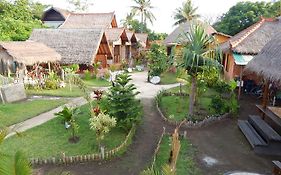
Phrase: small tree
[69,117]
[122,103]
[197,53]
[101,124]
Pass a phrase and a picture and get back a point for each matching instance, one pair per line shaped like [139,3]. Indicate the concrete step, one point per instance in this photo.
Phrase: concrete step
[250,133]
[264,129]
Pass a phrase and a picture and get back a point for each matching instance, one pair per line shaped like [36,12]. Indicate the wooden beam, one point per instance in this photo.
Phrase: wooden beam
[265,94]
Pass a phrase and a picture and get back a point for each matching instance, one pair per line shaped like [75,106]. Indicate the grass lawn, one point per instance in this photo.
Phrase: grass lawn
[51,139]
[62,92]
[168,78]
[96,82]
[17,112]
[185,163]
[176,108]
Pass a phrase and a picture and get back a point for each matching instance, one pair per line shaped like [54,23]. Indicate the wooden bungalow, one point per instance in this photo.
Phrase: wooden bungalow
[177,36]
[264,132]
[132,46]
[89,21]
[16,56]
[242,47]
[76,46]
[53,17]
[142,39]
[117,39]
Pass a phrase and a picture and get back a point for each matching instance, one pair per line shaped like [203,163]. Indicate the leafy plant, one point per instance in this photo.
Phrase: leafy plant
[87,75]
[157,60]
[218,105]
[69,117]
[122,103]
[101,124]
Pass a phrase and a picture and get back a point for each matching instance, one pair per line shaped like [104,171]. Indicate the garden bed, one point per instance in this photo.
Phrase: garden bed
[96,82]
[18,112]
[51,139]
[62,92]
[185,162]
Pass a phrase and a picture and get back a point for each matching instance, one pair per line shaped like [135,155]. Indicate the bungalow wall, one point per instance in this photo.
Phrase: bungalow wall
[102,59]
[7,66]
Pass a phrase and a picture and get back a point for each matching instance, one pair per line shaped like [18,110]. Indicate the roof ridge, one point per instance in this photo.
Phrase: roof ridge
[251,30]
[106,13]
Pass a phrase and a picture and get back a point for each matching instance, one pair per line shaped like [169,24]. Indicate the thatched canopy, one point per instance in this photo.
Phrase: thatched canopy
[28,52]
[251,40]
[89,21]
[267,63]
[76,46]
[142,38]
[177,37]
[115,34]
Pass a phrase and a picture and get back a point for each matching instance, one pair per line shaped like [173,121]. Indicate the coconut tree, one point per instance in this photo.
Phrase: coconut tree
[128,20]
[186,13]
[198,52]
[143,8]
[13,164]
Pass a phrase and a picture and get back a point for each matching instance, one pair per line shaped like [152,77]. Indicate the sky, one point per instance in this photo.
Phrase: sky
[163,9]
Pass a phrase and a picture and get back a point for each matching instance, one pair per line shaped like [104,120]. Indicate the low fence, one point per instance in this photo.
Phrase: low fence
[158,146]
[89,157]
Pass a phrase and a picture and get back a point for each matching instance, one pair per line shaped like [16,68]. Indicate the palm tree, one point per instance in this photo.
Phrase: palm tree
[127,21]
[186,13]
[143,8]
[196,54]
[13,164]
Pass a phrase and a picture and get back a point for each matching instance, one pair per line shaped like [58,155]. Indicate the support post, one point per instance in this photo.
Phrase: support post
[265,94]
[49,66]
[240,82]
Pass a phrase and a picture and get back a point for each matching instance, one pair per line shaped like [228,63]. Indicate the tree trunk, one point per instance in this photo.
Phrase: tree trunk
[192,95]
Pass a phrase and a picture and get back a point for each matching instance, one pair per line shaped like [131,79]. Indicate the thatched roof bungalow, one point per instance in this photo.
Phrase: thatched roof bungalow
[76,46]
[15,55]
[267,64]
[133,42]
[242,47]
[53,17]
[89,21]
[117,38]
[142,38]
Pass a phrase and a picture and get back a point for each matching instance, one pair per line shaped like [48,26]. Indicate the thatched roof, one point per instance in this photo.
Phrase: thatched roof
[131,36]
[177,37]
[251,40]
[142,38]
[64,13]
[89,20]
[29,53]
[76,46]
[115,34]
[267,63]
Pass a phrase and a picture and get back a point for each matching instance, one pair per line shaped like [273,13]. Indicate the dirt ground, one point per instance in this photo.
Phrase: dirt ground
[224,142]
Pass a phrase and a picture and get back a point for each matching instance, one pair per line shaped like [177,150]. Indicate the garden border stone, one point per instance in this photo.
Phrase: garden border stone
[88,157]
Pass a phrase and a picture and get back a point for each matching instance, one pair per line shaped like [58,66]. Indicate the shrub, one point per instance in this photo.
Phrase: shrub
[218,105]
[87,75]
[157,59]
[52,82]
[222,87]
[122,103]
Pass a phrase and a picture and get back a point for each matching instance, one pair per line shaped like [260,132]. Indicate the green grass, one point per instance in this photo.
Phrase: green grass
[51,139]
[168,78]
[62,92]
[96,82]
[185,163]
[17,112]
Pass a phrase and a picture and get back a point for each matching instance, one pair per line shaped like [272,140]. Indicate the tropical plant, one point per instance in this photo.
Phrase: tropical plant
[157,60]
[166,170]
[80,5]
[16,164]
[143,8]
[196,54]
[122,103]
[128,20]
[186,13]
[69,116]
[101,124]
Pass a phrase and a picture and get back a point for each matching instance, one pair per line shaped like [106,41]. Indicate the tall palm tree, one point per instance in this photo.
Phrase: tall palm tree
[197,53]
[13,164]
[143,8]
[186,13]
[128,19]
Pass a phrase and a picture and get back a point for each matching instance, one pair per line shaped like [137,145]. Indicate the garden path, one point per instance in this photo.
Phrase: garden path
[140,152]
